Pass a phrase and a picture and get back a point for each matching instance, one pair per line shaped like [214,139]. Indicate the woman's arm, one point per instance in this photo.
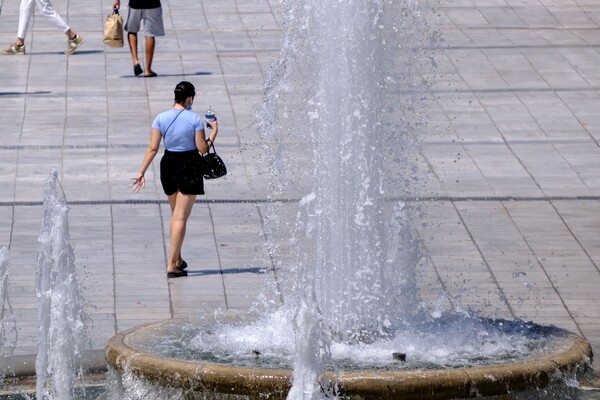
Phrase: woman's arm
[139,182]
[215,129]
[201,144]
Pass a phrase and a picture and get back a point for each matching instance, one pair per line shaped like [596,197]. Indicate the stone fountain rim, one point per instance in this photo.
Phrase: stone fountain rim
[495,380]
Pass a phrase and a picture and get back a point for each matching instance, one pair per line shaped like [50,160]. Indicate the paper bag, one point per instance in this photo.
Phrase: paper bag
[113,30]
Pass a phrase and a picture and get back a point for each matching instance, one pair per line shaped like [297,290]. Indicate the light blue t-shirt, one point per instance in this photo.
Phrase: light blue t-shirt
[181,134]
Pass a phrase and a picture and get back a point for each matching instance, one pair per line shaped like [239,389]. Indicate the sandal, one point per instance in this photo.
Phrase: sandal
[177,274]
[137,69]
[183,265]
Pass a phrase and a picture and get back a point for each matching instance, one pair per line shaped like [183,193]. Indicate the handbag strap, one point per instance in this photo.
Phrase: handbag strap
[166,130]
[212,146]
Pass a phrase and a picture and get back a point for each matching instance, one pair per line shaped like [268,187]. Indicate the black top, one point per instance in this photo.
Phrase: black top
[144,4]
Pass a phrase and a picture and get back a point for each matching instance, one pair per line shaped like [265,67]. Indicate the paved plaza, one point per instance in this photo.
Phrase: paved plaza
[511,156]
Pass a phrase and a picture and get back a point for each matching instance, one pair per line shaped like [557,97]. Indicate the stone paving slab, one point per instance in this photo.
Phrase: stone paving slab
[509,161]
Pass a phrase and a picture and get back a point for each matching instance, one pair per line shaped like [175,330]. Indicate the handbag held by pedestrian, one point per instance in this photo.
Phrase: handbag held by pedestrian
[213,165]
[113,30]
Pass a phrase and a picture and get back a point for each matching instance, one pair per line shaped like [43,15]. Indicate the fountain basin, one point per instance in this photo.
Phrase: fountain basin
[569,356]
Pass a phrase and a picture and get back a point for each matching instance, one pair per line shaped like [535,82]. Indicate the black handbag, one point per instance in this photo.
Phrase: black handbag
[213,165]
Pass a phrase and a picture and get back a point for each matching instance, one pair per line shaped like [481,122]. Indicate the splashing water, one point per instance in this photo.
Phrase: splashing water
[335,123]
[8,332]
[61,335]
[339,119]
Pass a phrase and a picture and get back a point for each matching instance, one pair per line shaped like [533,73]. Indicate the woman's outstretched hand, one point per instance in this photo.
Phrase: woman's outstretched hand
[137,183]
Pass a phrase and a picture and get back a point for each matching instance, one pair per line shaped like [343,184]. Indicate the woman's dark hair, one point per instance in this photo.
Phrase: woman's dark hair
[183,90]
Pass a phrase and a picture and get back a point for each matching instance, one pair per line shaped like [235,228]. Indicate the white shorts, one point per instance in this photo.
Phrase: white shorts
[152,20]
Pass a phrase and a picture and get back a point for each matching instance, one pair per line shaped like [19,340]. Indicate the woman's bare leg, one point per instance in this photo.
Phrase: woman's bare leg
[172,202]
[181,208]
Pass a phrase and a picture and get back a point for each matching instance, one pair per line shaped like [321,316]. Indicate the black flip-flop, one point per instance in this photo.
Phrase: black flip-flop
[137,69]
[183,265]
[177,274]
[151,75]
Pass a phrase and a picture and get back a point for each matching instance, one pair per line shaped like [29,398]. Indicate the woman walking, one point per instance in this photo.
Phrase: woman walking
[180,171]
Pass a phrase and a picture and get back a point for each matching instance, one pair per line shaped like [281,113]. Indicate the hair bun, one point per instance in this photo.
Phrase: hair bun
[183,90]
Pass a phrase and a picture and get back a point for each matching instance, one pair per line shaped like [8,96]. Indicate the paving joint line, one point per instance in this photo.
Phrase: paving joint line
[416,199]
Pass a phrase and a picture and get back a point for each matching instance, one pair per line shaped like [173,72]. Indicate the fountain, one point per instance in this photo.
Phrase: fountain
[63,355]
[343,105]
[61,337]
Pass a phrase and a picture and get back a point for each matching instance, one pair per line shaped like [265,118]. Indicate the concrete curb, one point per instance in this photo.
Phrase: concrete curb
[22,366]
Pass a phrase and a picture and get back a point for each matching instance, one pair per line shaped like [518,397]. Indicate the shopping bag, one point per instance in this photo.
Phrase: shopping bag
[113,30]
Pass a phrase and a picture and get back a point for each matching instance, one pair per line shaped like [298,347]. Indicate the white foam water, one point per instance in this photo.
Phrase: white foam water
[450,340]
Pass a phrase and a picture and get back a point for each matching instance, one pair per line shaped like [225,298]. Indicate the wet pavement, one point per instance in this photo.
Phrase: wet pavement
[511,156]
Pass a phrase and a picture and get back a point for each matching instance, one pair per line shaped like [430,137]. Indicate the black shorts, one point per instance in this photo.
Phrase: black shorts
[181,171]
